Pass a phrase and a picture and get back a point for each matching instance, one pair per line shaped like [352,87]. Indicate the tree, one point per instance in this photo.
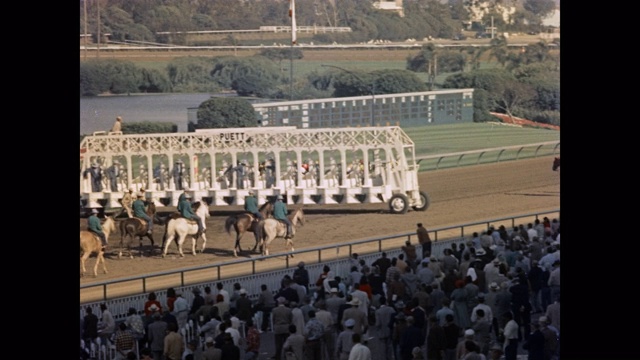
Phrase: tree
[540,8]
[396,81]
[252,76]
[511,94]
[192,74]
[425,61]
[279,55]
[499,50]
[225,112]
[451,61]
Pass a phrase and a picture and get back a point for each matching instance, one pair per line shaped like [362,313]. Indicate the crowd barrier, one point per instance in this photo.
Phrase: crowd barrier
[338,261]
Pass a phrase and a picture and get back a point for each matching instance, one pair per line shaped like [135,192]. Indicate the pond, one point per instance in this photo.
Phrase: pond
[98,113]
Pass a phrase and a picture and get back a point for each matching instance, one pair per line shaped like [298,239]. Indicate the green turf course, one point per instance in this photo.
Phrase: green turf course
[451,138]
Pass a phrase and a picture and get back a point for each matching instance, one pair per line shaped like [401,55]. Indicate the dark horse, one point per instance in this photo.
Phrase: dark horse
[133,227]
[244,222]
[556,164]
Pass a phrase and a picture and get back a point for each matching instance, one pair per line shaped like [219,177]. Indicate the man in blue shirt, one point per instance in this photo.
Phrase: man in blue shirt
[95,227]
[280,213]
[251,205]
[184,208]
[140,211]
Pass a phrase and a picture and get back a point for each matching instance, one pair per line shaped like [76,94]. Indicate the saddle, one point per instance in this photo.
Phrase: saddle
[142,221]
[177,215]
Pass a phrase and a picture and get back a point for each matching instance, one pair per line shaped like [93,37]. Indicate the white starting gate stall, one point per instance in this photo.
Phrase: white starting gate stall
[306,166]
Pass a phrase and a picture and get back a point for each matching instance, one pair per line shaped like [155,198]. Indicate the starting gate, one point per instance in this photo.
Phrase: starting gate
[307,166]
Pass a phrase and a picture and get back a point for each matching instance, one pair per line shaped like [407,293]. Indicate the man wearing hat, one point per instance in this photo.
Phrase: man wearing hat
[301,276]
[178,170]
[140,211]
[127,201]
[345,342]
[196,303]
[94,226]
[280,213]
[113,172]
[251,205]
[160,175]
[356,314]
[184,208]
[282,317]
[211,352]
[181,309]
[156,330]
[117,126]
[96,177]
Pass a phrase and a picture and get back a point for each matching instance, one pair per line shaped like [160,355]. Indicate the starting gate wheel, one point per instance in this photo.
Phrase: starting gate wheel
[424,203]
[399,204]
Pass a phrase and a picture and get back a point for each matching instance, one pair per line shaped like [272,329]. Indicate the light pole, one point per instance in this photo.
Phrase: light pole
[372,88]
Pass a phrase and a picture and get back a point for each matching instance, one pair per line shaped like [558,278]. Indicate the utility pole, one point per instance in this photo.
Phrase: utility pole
[84,8]
[98,31]
[372,88]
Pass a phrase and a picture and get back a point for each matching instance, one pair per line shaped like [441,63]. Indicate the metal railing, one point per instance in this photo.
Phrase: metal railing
[259,270]
[475,157]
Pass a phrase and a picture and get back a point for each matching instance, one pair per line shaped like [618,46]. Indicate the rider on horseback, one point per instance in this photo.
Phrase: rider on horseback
[140,211]
[251,205]
[184,208]
[95,227]
[280,213]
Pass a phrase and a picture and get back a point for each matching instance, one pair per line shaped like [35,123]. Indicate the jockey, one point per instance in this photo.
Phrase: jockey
[95,227]
[184,208]
[280,213]
[251,205]
[126,202]
[140,211]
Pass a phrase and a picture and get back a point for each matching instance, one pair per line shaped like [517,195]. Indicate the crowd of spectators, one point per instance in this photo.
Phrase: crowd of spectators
[476,301]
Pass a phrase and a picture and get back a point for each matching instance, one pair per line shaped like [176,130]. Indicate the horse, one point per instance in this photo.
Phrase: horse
[90,243]
[269,229]
[244,222]
[179,228]
[556,164]
[133,227]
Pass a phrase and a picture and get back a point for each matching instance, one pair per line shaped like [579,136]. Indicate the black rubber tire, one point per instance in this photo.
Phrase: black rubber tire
[399,204]
[425,202]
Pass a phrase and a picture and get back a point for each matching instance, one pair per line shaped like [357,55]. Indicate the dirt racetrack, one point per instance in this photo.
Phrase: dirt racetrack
[460,195]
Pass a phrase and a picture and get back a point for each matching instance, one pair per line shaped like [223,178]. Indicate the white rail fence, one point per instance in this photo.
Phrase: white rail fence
[482,156]
[336,256]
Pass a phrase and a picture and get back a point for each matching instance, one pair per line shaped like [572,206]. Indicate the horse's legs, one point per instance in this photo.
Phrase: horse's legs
[104,264]
[180,242]
[204,243]
[193,245]
[83,258]
[95,268]
[167,241]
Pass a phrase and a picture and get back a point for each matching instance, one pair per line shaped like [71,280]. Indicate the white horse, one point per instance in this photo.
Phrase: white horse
[179,228]
[269,229]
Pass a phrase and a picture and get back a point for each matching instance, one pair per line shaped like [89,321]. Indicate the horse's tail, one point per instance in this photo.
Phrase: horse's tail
[169,228]
[231,220]
[259,230]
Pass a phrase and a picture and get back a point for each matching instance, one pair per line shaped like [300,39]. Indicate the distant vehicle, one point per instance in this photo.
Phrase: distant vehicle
[482,35]
[459,37]
[533,32]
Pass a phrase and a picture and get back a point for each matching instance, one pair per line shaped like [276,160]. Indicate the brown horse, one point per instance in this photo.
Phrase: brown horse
[132,227]
[244,222]
[556,164]
[91,243]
